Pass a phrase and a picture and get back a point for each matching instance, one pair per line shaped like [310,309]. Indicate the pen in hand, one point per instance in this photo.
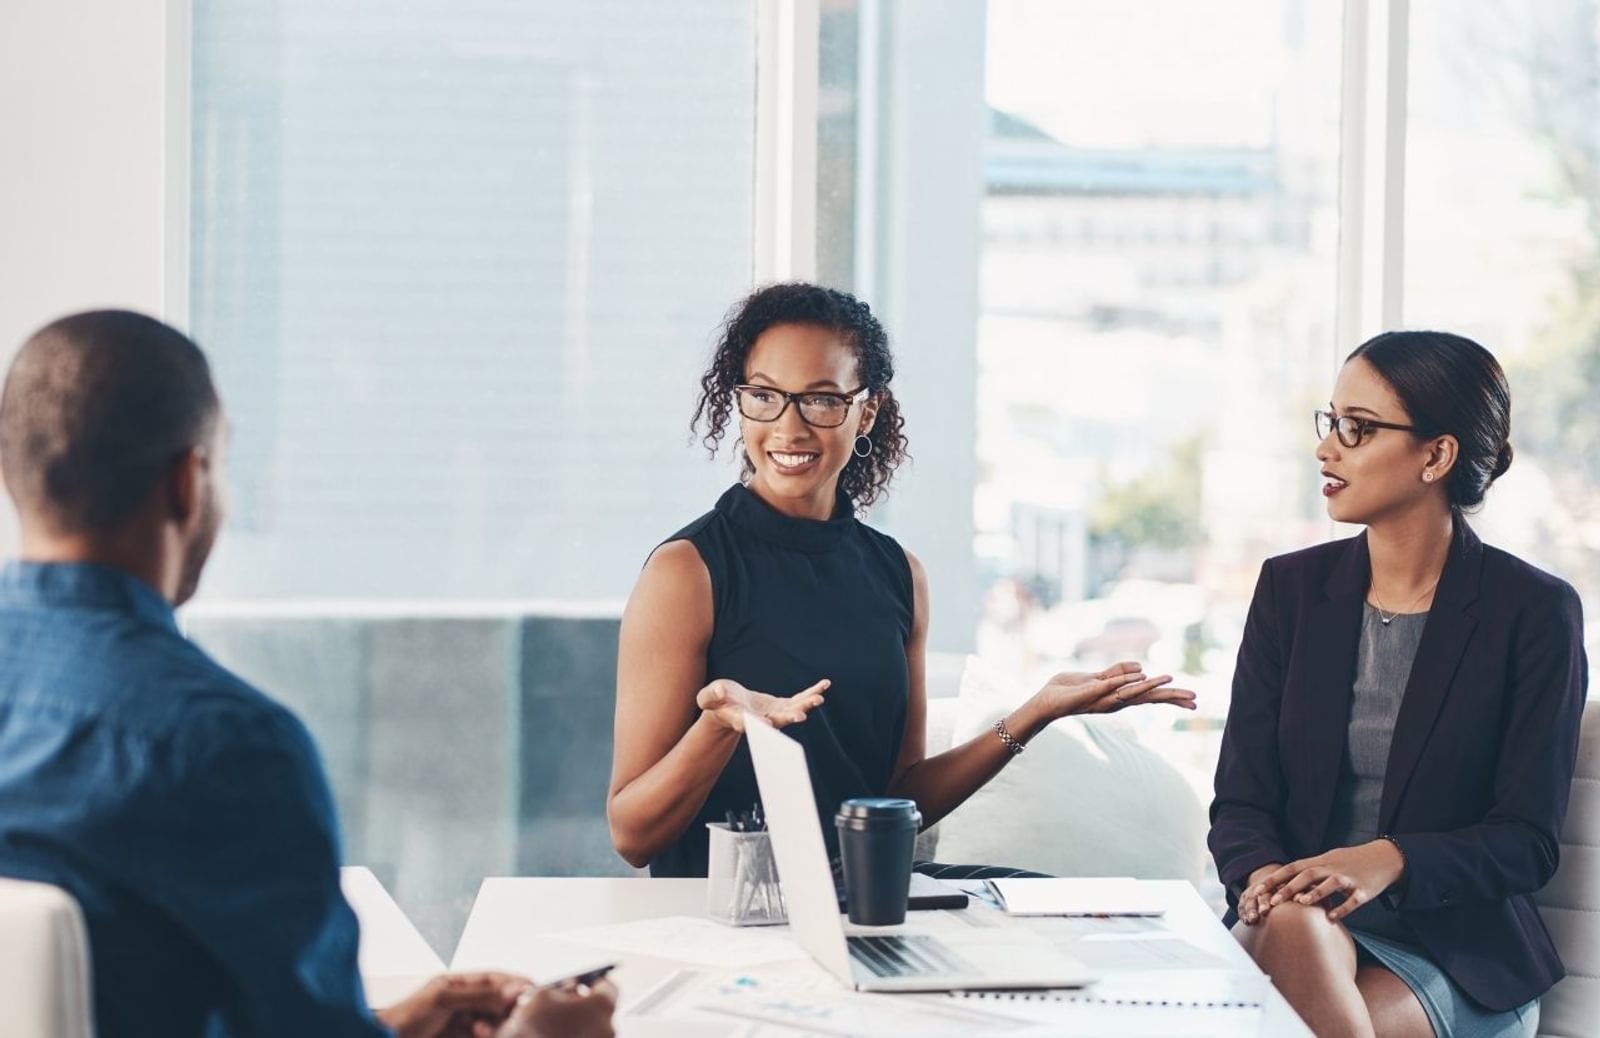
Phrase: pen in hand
[580,983]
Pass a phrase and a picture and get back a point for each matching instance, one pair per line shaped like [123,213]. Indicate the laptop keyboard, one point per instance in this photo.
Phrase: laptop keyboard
[908,955]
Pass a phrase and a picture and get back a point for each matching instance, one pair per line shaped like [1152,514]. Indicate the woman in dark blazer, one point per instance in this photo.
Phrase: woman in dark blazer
[1400,746]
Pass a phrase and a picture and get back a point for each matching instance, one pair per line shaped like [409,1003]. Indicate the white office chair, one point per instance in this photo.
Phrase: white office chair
[1571,903]
[44,963]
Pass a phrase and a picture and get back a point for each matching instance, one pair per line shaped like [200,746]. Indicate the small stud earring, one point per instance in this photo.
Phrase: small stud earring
[1427,477]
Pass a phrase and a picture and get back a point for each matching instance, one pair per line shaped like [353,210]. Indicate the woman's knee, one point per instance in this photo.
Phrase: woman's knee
[1294,929]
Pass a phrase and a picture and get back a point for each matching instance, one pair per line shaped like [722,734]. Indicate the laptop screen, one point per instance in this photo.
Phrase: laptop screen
[797,846]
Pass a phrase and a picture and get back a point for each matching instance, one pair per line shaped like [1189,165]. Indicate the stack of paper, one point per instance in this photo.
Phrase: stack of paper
[1102,897]
[804,1000]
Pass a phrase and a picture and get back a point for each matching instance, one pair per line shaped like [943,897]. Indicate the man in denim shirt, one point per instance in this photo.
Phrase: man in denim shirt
[186,812]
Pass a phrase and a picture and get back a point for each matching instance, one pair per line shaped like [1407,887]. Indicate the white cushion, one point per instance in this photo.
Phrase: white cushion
[44,963]
[1085,799]
[941,721]
[1570,905]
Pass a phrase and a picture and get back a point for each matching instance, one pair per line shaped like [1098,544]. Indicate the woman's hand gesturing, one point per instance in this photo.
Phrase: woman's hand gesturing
[727,702]
[1118,686]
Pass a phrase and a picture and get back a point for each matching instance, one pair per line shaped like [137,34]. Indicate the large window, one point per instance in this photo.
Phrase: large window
[459,262]
[1503,244]
[1158,282]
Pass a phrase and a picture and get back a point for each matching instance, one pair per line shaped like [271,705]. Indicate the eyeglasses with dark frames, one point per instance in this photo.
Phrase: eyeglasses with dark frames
[820,409]
[1352,430]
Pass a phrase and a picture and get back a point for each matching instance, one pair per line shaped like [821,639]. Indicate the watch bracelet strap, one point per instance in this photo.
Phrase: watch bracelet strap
[1010,741]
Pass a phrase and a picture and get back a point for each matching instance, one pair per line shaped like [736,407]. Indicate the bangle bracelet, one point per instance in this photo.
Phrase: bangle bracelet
[1009,740]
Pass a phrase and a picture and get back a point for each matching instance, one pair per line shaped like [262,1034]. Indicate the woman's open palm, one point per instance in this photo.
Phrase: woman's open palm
[728,701]
[1118,686]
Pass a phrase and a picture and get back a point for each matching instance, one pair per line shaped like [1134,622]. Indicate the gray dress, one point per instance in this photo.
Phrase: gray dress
[1383,666]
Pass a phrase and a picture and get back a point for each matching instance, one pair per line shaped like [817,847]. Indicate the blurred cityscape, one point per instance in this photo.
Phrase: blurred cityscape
[1157,324]
[1157,286]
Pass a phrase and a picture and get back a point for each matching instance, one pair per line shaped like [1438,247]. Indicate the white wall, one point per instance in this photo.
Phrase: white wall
[82,141]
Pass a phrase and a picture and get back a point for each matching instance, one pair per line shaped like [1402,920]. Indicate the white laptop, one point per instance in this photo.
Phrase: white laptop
[899,959]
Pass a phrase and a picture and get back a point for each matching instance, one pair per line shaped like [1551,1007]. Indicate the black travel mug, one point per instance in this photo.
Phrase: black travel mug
[876,837]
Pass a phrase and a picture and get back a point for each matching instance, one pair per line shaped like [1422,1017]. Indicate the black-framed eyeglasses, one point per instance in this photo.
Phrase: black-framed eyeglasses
[1352,430]
[823,410]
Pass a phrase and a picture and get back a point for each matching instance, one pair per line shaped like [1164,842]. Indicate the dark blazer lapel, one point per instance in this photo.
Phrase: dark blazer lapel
[1449,625]
[1334,632]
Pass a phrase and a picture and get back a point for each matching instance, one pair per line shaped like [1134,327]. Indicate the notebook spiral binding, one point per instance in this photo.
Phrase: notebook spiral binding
[1098,1000]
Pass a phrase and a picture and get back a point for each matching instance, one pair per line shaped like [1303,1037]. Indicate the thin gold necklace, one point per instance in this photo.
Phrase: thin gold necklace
[1378,600]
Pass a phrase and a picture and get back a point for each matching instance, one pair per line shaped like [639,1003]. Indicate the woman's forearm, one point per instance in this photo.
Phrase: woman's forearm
[1477,864]
[942,783]
[656,807]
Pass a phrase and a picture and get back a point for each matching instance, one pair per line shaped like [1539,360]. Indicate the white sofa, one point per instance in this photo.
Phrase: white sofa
[44,963]
[1085,799]
[1571,903]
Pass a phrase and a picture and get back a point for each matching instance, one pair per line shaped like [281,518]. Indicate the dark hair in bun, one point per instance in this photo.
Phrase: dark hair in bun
[1452,386]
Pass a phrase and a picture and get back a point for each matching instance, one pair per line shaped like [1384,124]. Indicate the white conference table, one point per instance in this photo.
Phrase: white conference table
[394,958]
[516,924]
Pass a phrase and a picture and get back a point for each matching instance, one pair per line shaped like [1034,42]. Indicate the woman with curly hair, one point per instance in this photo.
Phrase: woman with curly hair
[781,588]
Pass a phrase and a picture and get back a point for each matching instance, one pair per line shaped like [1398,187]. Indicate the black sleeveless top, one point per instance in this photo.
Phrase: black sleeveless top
[796,601]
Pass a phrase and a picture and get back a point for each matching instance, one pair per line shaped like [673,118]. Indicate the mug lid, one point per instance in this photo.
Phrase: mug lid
[879,809]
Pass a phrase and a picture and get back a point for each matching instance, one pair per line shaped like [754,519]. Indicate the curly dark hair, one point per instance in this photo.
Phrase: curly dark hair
[864,480]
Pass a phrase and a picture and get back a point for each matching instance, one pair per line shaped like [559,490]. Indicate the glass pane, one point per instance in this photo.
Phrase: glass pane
[1157,292]
[839,100]
[455,266]
[1503,245]
[458,263]
[1156,304]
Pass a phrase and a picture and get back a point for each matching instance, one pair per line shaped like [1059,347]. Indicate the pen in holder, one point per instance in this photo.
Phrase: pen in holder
[742,880]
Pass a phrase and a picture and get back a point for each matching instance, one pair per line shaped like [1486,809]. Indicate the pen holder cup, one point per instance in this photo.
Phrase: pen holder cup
[742,879]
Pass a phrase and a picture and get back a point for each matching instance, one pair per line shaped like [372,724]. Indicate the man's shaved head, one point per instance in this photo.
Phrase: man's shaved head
[96,408]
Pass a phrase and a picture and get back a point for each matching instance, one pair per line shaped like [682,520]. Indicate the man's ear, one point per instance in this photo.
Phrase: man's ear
[183,484]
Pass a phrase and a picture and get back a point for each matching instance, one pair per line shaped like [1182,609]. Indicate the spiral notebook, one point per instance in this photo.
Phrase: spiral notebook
[1081,1013]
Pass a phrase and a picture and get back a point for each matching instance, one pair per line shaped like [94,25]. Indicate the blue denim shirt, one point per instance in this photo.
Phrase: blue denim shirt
[187,813]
